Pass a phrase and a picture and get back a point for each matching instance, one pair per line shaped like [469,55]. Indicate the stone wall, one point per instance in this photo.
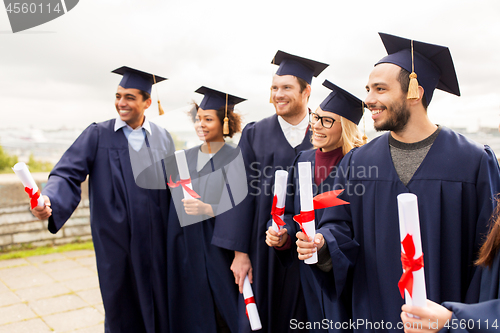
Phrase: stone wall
[18,226]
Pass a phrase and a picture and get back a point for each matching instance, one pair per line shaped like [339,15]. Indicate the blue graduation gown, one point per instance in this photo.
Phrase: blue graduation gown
[485,315]
[319,305]
[126,223]
[276,288]
[199,277]
[455,185]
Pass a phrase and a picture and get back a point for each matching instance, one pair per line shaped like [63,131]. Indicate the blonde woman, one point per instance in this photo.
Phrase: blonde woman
[334,133]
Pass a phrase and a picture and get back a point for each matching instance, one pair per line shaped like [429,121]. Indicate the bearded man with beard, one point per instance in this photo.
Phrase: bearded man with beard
[454,178]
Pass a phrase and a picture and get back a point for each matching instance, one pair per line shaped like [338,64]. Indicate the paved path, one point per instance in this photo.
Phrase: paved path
[54,293]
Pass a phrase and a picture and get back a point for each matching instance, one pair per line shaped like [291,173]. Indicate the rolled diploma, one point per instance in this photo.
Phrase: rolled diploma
[26,178]
[182,166]
[306,203]
[409,223]
[253,314]
[280,179]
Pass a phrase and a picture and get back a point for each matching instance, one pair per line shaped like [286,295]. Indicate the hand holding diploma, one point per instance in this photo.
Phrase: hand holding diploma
[274,238]
[39,205]
[306,247]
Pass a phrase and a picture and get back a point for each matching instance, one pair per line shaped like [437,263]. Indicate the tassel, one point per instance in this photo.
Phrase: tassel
[413,88]
[365,138]
[225,128]
[160,109]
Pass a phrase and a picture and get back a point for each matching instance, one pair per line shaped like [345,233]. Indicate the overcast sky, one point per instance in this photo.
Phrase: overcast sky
[58,74]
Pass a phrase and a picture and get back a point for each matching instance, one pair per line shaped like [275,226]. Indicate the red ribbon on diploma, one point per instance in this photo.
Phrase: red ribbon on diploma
[184,183]
[323,200]
[410,265]
[33,197]
[277,212]
[249,300]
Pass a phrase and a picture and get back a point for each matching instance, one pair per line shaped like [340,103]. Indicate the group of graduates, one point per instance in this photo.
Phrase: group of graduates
[173,251]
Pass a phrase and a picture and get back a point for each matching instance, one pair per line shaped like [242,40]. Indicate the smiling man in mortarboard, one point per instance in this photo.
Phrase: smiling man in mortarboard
[454,179]
[126,220]
[268,145]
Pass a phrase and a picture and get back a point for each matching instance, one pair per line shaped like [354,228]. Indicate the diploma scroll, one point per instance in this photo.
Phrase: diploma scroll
[413,279]
[22,172]
[306,204]
[182,166]
[251,307]
[278,210]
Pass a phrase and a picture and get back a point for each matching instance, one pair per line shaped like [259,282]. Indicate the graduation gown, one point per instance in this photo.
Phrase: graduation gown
[276,288]
[199,279]
[126,223]
[455,185]
[485,315]
[319,305]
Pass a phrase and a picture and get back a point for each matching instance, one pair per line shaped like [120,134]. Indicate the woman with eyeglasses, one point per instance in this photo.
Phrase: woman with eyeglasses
[334,133]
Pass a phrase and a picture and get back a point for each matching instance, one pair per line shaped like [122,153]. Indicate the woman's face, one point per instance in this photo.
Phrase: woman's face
[208,126]
[326,139]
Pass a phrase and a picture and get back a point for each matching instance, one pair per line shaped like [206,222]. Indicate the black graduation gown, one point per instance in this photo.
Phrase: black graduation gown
[485,315]
[319,305]
[455,185]
[126,223]
[199,278]
[276,288]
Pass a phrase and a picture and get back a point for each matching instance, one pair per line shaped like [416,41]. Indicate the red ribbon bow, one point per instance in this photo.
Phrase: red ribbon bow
[33,197]
[277,212]
[184,183]
[410,265]
[323,200]
[249,300]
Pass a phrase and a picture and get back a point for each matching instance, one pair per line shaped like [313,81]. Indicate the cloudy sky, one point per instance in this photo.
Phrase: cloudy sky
[58,74]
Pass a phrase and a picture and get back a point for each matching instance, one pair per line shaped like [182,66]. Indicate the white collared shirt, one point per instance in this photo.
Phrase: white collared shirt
[294,134]
[135,137]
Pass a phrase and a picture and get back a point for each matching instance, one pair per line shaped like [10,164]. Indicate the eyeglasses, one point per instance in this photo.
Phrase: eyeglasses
[326,122]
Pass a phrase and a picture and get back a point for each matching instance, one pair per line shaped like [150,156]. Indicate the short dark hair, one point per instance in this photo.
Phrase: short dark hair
[145,95]
[234,118]
[404,80]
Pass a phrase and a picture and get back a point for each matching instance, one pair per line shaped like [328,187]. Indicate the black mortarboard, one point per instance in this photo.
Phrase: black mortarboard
[133,78]
[214,99]
[432,63]
[342,103]
[297,66]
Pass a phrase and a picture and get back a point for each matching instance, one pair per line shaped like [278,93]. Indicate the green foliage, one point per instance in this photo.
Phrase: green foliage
[28,250]
[6,161]
[38,166]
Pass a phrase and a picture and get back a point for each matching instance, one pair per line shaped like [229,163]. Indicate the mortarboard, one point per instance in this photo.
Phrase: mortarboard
[431,63]
[342,103]
[133,78]
[136,79]
[214,100]
[290,64]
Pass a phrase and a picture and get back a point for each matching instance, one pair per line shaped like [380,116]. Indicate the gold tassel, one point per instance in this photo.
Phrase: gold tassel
[160,109]
[413,87]
[365,138]
[225,127]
